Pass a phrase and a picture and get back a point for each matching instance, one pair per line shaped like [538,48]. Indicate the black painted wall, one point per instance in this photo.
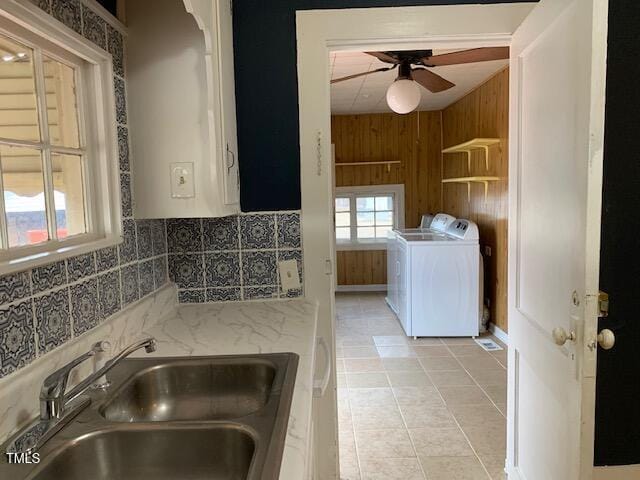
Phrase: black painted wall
[618,379]
[267,94]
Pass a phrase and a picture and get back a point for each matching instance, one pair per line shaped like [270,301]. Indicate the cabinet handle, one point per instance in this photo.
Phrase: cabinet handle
[320,385]
[233,159]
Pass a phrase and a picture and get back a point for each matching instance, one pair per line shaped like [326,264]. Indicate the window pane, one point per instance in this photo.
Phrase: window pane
[343,204]
[366,232]
[364,204]
[384,203]
[381,232]
[62,109]
[23,195]
[69,194]
[365,219]
[343,233]
[384,218]
[18,106]
[343,219]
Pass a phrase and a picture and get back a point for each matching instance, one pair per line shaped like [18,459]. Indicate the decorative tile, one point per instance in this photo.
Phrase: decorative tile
[17,339]
[184,235]
[14,287]
[191,296]
[255,293]
[49,276]
[221,233]
[160,271]
[292,255]
[115,47]
[145,249]
[123,148]
[94,27]
[130,284]
[158,237]
[53,320]
[68,12]
[288,230]
[186,270]
[146,277]
[223,294]
[297,293]
[109,293]
[128,248]
[107,258]
[121,100]
[84,306]
[258,231]
[125,195]
[259,268]
[222,269]
[81,266]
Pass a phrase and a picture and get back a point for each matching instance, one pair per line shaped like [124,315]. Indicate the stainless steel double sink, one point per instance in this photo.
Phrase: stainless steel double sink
[222,417]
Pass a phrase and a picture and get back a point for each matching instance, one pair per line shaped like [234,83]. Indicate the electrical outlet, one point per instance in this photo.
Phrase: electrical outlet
[487,251]
[289,278]
[182,181]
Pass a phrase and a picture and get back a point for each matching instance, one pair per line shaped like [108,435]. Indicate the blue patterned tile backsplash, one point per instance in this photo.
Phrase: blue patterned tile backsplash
[232,258]
[42,308]
[226,259]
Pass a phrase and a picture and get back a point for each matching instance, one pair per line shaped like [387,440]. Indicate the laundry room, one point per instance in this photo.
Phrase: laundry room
[420,146]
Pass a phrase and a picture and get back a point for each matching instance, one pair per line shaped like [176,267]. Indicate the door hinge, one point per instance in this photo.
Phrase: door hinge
[603,304]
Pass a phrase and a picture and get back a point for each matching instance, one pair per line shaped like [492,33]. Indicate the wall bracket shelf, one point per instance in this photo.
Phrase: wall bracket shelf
[469,180]
[388,163]
[475,144]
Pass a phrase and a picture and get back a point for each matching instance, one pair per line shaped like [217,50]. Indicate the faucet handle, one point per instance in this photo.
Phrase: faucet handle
[54,386]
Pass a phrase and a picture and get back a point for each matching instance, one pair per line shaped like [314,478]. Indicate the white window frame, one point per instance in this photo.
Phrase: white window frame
[396,190]
[25,22]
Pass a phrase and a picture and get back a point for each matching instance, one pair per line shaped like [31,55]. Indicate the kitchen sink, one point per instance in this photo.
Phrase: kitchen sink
[162,454]
[206,389]
[215,417]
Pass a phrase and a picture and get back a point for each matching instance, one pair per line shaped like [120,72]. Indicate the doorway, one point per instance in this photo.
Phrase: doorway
[554,31]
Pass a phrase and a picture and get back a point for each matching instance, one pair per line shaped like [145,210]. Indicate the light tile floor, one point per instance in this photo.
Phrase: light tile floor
[431,408]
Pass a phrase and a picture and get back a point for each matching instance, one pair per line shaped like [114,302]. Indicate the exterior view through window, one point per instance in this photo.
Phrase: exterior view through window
[364,217]
[41,147]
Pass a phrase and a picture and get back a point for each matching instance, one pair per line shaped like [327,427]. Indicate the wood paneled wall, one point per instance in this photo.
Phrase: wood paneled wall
[482,113]
[415,140]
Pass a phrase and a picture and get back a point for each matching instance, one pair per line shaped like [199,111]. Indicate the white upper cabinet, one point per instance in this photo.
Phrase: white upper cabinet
[182,108]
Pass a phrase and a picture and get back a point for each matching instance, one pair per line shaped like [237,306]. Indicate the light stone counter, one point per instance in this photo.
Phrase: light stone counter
[208,329]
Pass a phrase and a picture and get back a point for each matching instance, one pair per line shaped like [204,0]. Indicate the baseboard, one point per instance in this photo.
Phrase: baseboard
[623,472]
[362,288]
[499,333]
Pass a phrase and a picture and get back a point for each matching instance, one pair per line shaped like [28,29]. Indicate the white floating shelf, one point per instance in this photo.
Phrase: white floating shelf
[388,163]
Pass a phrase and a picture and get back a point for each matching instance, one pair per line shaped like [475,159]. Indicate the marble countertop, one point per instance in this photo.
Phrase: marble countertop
[252,327]
[206,329]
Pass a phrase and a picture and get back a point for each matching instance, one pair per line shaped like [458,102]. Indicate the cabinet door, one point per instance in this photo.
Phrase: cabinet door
[229,145]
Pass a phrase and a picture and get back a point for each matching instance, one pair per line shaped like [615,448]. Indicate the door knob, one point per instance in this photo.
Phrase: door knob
[560,336]
[606,339]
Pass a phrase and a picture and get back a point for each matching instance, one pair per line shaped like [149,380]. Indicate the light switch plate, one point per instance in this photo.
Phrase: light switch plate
[182,181]
[289,278]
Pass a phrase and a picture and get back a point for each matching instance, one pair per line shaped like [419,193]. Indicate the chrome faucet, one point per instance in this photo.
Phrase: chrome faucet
[54,401]
[52,394]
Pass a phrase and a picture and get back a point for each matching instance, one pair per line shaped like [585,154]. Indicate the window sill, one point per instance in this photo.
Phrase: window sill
[380,244]
[45,258]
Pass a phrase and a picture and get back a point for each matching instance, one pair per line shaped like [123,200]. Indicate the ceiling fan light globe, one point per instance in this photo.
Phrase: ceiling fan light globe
[403,96]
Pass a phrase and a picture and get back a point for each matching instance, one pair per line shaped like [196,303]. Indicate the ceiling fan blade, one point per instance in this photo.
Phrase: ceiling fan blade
[356,75]
[431,81]
[468,56]
[383,57]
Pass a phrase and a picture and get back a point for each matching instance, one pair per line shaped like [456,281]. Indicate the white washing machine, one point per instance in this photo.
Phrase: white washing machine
[431,223]
[435,284]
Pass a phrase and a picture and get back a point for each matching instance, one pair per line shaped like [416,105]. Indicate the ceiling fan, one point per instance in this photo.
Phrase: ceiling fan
[403,95]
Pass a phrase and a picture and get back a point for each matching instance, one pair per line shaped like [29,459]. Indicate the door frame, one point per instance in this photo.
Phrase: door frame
[320,32]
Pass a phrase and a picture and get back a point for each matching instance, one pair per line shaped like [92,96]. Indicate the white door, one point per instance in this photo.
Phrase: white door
[558,63]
